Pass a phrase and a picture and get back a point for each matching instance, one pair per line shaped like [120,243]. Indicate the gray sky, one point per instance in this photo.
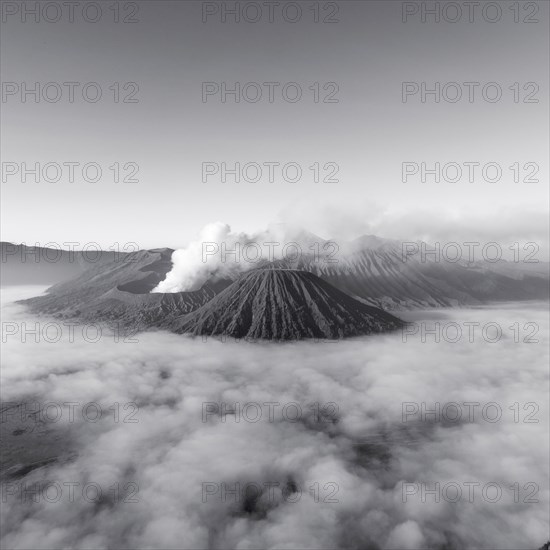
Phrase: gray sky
[170,131]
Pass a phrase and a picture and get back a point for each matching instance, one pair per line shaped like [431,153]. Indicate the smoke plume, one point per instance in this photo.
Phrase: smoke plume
[223,253]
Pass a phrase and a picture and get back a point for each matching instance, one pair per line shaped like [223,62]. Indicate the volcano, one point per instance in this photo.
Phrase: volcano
[284,304]
[327,298]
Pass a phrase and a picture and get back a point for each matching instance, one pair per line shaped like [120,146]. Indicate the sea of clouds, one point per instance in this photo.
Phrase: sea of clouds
[343,461]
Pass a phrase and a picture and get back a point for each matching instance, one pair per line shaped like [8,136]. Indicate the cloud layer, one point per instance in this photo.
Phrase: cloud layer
[361,448]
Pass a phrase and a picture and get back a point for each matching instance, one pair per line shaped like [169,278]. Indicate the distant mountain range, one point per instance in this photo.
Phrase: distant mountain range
[375,270]
[307,297]
[36,265]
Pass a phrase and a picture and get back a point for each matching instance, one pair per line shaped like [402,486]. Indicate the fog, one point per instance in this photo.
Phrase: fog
[339,220]
[346,460]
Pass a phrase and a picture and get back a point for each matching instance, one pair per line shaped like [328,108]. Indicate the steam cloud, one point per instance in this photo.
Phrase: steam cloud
[211,254]
[224,253]
[369,452]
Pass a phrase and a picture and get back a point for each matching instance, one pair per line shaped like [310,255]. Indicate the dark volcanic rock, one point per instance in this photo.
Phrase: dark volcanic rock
[281,304]
[316,297]
[375,271]
[120,293]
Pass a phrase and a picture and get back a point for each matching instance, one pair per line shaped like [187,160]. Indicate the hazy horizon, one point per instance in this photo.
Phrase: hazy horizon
[363,139]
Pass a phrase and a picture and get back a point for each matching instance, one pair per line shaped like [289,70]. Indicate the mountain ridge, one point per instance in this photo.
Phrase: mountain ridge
[284,304]
[121,291]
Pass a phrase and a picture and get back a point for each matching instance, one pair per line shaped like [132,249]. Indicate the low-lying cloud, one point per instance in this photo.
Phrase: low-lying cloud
[360,454]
